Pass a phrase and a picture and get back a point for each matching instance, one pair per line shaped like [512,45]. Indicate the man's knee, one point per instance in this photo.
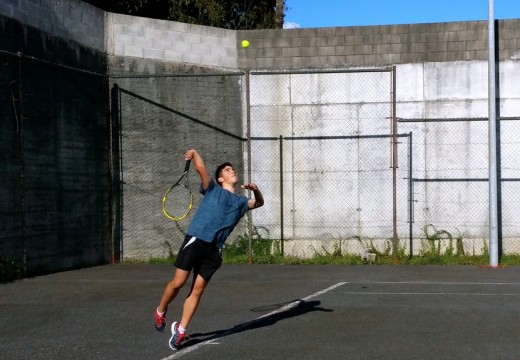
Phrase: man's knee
[178,281]
[198,286]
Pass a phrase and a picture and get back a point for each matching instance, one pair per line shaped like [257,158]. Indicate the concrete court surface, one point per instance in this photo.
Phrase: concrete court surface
[269,312]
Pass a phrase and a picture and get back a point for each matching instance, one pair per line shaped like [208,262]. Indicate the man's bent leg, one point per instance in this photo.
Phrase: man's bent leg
[172,288]
[192,301]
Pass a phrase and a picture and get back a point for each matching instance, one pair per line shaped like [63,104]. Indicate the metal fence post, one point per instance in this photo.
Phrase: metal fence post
[281,197]
[493,188]
[395,240]
[248,144]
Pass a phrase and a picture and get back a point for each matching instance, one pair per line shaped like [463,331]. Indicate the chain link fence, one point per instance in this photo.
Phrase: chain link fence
[320,147]
[158,119]
[332,195]
[336,186]
[450,188]
[338,172]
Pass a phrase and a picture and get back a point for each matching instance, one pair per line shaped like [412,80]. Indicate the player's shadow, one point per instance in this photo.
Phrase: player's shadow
[300,307]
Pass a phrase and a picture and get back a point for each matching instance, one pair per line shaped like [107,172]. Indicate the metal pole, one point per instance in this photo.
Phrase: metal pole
[281,198]
[395,240]
[493,188]
[410,192]
[250,216]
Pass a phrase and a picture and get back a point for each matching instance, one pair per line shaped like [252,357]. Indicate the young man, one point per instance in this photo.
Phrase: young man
[218,213]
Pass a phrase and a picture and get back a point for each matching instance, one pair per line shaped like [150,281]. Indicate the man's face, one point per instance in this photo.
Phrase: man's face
[229,175]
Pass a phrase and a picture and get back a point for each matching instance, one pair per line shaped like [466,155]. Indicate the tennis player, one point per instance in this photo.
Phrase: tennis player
[201,252]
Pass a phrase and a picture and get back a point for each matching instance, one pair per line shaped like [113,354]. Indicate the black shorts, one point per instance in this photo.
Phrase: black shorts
[202,257]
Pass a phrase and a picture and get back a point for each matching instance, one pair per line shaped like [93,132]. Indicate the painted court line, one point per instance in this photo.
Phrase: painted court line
[249,323]
[461,293]
[424,293]
[434,283]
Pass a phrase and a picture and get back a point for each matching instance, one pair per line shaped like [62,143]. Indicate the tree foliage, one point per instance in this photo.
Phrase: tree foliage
[227,14]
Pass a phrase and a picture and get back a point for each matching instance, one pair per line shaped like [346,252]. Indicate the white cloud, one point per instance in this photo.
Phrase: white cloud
[290,25]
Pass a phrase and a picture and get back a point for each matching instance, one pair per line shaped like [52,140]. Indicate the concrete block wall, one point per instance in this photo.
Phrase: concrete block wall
[131,37]
[67,19]
[375,45]
[169,41]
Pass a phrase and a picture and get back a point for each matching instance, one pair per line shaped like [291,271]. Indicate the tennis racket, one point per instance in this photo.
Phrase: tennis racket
[178,200]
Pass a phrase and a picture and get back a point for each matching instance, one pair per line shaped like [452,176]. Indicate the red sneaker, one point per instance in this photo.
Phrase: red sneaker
[160,321]
[177,338]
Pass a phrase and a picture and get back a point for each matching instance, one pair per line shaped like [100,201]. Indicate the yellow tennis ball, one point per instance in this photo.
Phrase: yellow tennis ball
[245,44]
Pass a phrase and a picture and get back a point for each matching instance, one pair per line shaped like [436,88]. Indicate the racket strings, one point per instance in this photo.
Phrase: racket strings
[177,202]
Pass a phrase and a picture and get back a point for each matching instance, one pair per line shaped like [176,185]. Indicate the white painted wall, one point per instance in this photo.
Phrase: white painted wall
[338,104]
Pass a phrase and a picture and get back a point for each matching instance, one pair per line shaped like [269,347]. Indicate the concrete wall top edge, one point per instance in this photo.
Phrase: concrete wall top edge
[326,47]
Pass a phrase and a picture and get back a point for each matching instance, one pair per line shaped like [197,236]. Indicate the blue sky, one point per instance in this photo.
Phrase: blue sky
[332,13]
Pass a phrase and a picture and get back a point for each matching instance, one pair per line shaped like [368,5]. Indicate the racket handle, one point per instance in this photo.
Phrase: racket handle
[187,166]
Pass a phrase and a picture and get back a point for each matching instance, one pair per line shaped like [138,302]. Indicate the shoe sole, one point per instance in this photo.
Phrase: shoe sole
[160,329]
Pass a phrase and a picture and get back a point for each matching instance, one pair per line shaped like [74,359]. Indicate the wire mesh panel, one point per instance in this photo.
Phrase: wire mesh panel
[341,194]
[324,181]
[333,159]
[321,103]
[450,157]
[161,118]
[449,210]
[509,189]
[335,174]
[510,216]
[451,190]
[266,173]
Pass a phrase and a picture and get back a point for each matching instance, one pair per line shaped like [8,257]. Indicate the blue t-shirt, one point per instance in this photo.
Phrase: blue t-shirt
[219,212]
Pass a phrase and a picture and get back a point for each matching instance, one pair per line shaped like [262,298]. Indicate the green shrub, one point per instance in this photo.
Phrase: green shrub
[262,245]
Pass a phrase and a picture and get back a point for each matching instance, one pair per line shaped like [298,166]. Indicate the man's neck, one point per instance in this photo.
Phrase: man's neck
[229,187]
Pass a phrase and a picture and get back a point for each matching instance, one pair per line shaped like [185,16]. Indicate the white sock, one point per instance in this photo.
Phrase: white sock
[181,329]
[160,313]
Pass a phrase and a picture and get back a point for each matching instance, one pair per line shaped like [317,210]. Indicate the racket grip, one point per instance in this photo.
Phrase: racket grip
[187,166]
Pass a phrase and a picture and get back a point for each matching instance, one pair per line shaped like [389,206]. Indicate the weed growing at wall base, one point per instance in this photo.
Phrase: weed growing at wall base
[350,259]
[263,248]
[482,260]
[435,238]
[441,249]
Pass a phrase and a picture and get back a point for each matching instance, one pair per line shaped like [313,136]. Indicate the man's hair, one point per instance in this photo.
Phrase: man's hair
[219,170]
